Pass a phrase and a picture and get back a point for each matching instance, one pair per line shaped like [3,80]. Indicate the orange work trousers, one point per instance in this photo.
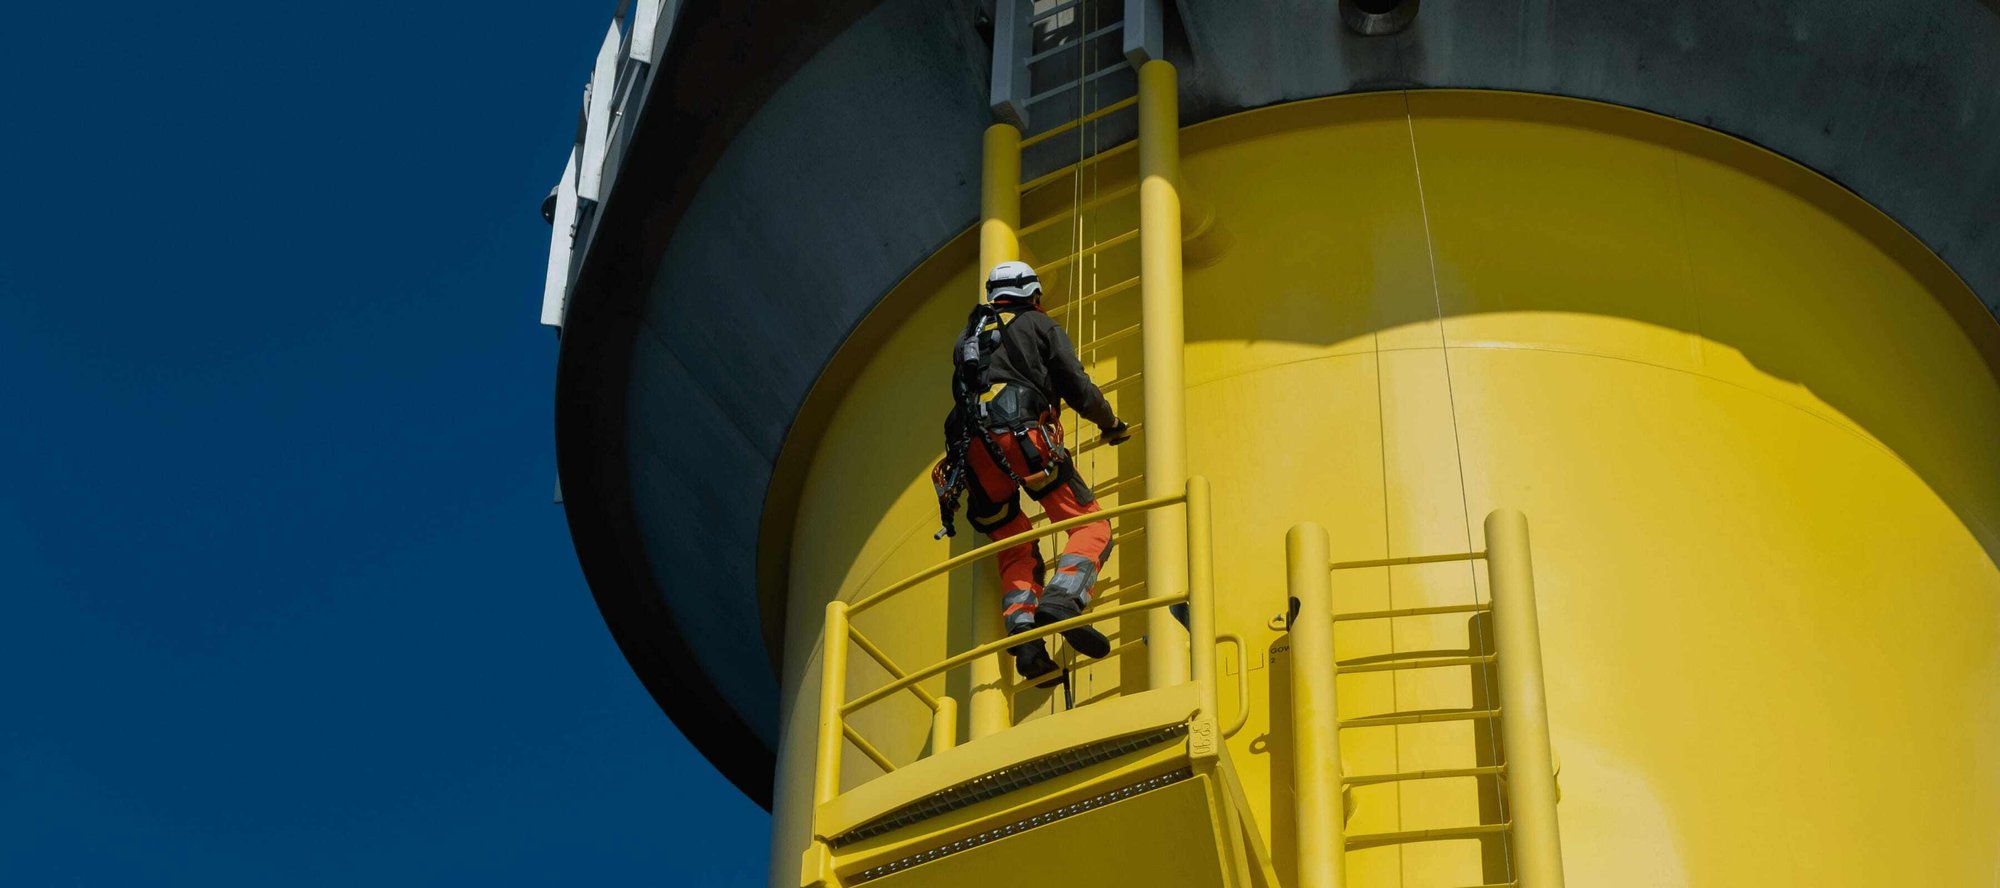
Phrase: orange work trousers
[996,511]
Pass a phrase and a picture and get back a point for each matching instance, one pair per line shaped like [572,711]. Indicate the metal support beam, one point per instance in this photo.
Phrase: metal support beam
[1012,35]
[1145,32]
[597,117]
[1524,728]
[1319,816]
[562,244]
[1165,342]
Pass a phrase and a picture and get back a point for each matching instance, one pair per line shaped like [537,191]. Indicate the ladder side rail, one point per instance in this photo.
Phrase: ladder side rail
[1013,30]
[1524,729]
[1163,389]
[1145,32]
[988,710]
[1319,815]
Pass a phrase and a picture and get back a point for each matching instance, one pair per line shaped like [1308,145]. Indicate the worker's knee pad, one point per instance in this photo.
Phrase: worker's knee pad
[1070,586]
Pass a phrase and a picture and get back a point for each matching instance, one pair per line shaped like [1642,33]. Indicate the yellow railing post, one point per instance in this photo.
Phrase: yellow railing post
[944,725]
[1201,597]
[999,241]
[832,688]
[1164,342]
[1320,817]
[1524,720]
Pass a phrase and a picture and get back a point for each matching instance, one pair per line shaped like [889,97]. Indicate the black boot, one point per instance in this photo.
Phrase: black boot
[1065,596]
[1056,607]
[1031,659]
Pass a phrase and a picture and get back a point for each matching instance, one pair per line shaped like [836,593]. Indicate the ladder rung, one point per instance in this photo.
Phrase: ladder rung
[1412,612]
[1109,338]
[1427,663]
[1091,250]
[1429,774]
[1121,382]
[1098,441]
[1085,39]
[1053,11]
[1086,299]
[1072,170]
[1078,83]
[1061,128]
[1402,560]
[1088,205]
[1376,840]
[1412,718]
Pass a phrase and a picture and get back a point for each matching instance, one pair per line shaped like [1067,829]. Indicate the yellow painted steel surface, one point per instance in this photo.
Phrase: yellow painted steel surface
[1752,421]
[1161,328]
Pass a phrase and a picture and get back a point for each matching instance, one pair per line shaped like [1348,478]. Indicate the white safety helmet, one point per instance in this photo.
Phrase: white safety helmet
[1013,280]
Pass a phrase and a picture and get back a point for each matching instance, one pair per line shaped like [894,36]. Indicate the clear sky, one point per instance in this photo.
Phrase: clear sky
[283,596]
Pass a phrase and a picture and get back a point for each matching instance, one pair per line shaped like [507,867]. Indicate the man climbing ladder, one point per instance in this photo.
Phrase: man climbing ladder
[1003,436]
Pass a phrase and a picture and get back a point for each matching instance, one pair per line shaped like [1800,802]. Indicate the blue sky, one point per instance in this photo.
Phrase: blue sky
[286,601]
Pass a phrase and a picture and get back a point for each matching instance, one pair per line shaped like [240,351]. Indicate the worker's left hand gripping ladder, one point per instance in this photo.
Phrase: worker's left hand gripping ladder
[1063,794]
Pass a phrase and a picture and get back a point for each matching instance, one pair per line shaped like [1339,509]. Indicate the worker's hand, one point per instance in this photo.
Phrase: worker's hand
[1117,434]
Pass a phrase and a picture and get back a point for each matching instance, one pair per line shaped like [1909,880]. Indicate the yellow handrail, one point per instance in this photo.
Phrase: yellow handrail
[998,546]
[882,658]
[994,647]
[1242,683]
[868,749]
[834,730]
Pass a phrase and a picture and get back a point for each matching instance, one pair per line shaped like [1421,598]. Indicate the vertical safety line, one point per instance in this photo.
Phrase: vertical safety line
[1476,643]
[1388,577]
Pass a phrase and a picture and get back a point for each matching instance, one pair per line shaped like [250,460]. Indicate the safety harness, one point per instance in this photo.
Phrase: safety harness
[988,409]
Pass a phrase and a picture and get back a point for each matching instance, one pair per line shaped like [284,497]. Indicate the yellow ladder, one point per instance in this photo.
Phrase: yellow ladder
[1159,330]
[1527,773]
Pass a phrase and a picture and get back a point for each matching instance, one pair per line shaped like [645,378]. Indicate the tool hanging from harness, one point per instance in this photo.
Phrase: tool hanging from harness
[987,408]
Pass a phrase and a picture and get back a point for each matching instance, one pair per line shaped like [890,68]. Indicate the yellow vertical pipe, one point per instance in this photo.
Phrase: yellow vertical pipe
[1524,722]
[1164,342]
[832,688]
[944,725]
[1319,816]
[1000,199]
[1201,595]
[999,222]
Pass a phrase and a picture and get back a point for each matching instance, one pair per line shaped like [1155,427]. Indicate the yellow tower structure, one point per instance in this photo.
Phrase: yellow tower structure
[1528,490]
[1438,307]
